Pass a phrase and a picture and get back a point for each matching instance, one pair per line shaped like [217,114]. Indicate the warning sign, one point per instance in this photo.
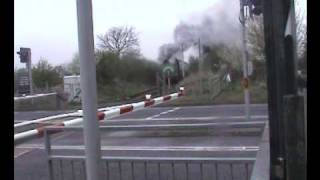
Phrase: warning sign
[245,83]
[23,83]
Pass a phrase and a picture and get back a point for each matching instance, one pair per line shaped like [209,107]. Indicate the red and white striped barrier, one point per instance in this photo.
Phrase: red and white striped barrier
[47,119]
[102,115]
[32,96]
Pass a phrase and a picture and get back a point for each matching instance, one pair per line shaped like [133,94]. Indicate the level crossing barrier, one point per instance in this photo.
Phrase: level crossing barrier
[101,116]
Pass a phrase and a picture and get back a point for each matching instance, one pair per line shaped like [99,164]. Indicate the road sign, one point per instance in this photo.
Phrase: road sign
[168,69]
[23,83]
[245,83]
[228,78]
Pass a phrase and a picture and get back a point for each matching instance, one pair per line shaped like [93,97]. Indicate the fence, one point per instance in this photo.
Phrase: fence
[143,168]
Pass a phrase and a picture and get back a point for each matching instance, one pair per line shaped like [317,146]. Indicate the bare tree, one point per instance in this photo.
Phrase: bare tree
[257,45]
[256,36]
[120,40]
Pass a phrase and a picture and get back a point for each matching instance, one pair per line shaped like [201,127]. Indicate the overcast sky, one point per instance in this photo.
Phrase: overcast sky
[49,27]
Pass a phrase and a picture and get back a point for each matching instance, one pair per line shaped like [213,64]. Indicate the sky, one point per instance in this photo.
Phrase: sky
[49,27]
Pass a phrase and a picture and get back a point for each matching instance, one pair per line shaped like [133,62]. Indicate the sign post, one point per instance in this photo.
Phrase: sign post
[167,71]
[88,89]
[23,83]
[245,55]
[25,57]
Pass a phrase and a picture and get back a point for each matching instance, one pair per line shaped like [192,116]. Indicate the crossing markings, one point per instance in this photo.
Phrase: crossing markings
[162,113]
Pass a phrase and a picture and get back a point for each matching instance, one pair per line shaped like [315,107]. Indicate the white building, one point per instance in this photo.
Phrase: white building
[72,87]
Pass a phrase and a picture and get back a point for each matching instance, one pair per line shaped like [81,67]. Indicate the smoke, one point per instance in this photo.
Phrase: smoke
[218,24]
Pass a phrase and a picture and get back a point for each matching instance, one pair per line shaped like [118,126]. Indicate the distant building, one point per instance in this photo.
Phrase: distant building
[72,87]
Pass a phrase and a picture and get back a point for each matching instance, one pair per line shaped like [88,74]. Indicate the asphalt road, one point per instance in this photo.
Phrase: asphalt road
[30,158]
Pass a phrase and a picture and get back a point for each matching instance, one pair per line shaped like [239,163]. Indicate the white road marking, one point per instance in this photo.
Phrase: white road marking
[154,118]
[162,113]
[226,106]
[22,153]
[62,135]
[151,148]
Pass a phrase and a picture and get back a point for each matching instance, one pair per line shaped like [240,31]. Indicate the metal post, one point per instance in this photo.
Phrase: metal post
[158,83]
[200,68]
[295,154]
[88,89]
[182,64]
[280,77]
[30,75]
[199,65]
[47,145]
[245,60]
[169,82]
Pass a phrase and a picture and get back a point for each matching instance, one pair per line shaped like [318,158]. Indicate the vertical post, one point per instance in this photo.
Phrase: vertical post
[48,152]
[295,154]
[47,87]
[164,85]
[30,74]
[158,83]
[280,77]
[182,64]
[305,119]
[88,89]
[200,68]
[199,65]
[245,60]
[169,82]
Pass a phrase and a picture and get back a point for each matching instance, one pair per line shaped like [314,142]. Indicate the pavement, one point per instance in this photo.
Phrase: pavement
[31,163]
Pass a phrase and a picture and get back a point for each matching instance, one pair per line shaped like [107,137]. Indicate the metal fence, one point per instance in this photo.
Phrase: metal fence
[144,168]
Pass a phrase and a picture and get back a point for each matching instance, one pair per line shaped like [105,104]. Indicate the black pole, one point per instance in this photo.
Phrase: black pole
[280,61]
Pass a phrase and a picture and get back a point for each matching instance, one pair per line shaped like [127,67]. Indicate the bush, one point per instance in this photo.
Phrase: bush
[118,77]
[44,74]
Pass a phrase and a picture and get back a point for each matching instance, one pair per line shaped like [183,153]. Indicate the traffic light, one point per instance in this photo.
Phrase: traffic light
[257,7]
[25,55]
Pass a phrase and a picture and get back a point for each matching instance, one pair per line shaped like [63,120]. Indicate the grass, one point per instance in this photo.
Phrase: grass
[233,94]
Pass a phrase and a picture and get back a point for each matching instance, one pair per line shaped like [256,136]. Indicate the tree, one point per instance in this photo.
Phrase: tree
[44,74]
[257,46]
[256,38]
[74,66]
[120,40]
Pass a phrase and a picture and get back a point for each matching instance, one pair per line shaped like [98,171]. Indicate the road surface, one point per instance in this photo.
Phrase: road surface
[30,160]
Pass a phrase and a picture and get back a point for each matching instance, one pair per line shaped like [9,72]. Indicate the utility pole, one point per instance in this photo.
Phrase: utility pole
[89,89]
[182,64]
[287,144]
[200,68]
[199,65]
[29,67]
[245,60]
